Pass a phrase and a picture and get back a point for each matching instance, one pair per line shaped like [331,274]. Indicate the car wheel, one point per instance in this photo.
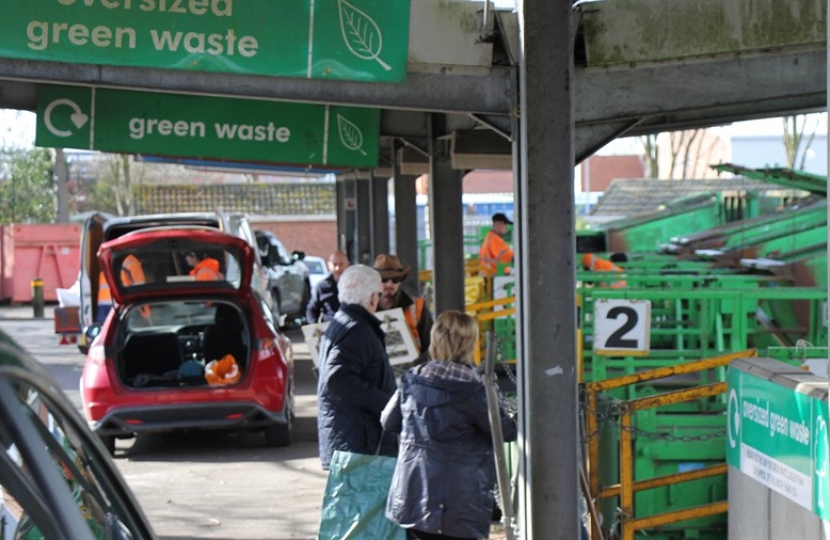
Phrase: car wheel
[306,300]
[275,308]
[109,443]
[278,435]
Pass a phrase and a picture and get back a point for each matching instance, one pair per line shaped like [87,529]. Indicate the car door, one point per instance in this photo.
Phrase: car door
[92,237]
[56,479]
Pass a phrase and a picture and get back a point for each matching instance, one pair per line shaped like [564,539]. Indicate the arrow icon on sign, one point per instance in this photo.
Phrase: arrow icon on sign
[78,117]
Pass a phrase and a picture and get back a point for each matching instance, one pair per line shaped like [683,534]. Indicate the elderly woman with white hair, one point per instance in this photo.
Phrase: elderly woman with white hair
[356,379]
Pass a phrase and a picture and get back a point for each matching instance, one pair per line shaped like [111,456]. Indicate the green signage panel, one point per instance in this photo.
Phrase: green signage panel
[779,437]
[207,127]
[364,40]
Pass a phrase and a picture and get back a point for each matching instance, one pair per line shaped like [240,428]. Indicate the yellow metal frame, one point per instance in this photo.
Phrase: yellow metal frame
[483,312]
[627,487]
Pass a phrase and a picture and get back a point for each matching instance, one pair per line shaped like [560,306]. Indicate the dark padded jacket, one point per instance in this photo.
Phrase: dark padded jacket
[323,301]
[355,383]
[445,470]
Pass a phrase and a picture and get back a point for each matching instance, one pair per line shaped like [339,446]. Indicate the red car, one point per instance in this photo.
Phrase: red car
[185,348]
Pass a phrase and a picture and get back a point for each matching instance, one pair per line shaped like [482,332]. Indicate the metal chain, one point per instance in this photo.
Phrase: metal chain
[611,417]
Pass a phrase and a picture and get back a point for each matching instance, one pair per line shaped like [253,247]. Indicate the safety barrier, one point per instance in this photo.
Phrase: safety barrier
[630,432]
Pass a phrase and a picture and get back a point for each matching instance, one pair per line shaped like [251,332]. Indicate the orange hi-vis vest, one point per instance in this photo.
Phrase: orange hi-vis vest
[494,250]
[104,293]
[132,273]
[596,264]
[207,270]
[412,316]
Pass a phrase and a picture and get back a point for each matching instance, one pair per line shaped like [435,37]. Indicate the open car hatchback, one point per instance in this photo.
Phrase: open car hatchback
[183,348]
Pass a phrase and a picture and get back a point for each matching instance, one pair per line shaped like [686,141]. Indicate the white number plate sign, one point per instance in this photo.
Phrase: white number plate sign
[622,327]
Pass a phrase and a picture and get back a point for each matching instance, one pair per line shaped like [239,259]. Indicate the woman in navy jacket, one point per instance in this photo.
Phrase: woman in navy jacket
[445,474]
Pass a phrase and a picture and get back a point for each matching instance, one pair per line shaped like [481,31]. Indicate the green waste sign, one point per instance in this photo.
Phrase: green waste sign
[363,40]
[778,436]
[207,127]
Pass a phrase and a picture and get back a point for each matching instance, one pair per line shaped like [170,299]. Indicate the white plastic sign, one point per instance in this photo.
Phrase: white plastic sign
[622,327]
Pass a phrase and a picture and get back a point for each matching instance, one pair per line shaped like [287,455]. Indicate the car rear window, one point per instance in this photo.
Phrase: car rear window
[176,264]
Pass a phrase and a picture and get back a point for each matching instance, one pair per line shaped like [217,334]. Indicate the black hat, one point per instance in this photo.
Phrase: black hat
[502,218]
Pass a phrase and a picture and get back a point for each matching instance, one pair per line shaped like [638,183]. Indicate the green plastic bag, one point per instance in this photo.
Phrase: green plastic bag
[354,504]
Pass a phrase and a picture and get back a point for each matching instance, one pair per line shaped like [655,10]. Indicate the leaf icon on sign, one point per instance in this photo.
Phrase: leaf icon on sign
[350,134]
[361,33]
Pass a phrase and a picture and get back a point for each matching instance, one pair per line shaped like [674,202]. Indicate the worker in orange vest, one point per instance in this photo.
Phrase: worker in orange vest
[494,250]
[132,273]
[204,268]
[596,264]
[415,311]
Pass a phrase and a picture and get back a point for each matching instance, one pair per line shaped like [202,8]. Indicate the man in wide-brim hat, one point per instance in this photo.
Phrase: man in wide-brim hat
[415,311]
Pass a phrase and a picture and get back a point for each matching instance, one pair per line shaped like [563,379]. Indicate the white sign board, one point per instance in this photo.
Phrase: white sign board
[622,327]
[400,346]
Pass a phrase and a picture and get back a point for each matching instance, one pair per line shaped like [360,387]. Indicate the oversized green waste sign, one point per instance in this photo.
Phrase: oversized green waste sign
[364,40]
[207,127]
[778,436]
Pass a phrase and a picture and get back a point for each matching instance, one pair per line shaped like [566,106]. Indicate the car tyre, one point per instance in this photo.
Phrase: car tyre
[275,308]
[278,435]
[109,443]
[306,300]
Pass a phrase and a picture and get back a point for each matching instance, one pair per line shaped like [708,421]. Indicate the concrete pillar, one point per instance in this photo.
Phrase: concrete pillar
[364,222]
[446,225]
[546,317]
[406,226]
[379,214]
[346,208]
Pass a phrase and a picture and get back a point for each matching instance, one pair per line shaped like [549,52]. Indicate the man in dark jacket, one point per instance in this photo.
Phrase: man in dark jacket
[356,379]
[323,303]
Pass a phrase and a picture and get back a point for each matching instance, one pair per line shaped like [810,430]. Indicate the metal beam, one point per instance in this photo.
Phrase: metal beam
[745,83]
[485,94]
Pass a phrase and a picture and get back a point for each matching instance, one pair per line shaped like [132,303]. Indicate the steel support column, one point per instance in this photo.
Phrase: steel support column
[379,213]
[363,248]
[446,226]
[345,216]
[546,326]
[406,226]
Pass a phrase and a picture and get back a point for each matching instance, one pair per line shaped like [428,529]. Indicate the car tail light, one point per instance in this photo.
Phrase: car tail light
[267,349]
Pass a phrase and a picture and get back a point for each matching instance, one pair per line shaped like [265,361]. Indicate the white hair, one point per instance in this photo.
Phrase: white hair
[358,284]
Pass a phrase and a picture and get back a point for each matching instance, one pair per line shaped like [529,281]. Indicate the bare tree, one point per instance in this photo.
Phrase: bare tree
[112,191]
[684,155]
[795,127]
[650,150]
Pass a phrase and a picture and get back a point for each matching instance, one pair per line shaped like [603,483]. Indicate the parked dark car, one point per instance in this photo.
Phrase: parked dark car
[287,277]
[56,479]
[182,350]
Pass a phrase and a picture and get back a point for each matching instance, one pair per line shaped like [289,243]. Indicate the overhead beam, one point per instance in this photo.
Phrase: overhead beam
[485,94]
[761,81]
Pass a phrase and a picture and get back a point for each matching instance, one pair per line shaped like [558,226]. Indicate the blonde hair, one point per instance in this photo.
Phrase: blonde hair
[454,337]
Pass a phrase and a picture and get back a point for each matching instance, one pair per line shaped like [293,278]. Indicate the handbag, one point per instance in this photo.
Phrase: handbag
[354,504]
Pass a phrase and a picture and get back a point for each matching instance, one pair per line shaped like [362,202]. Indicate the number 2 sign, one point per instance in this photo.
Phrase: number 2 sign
[622,327]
